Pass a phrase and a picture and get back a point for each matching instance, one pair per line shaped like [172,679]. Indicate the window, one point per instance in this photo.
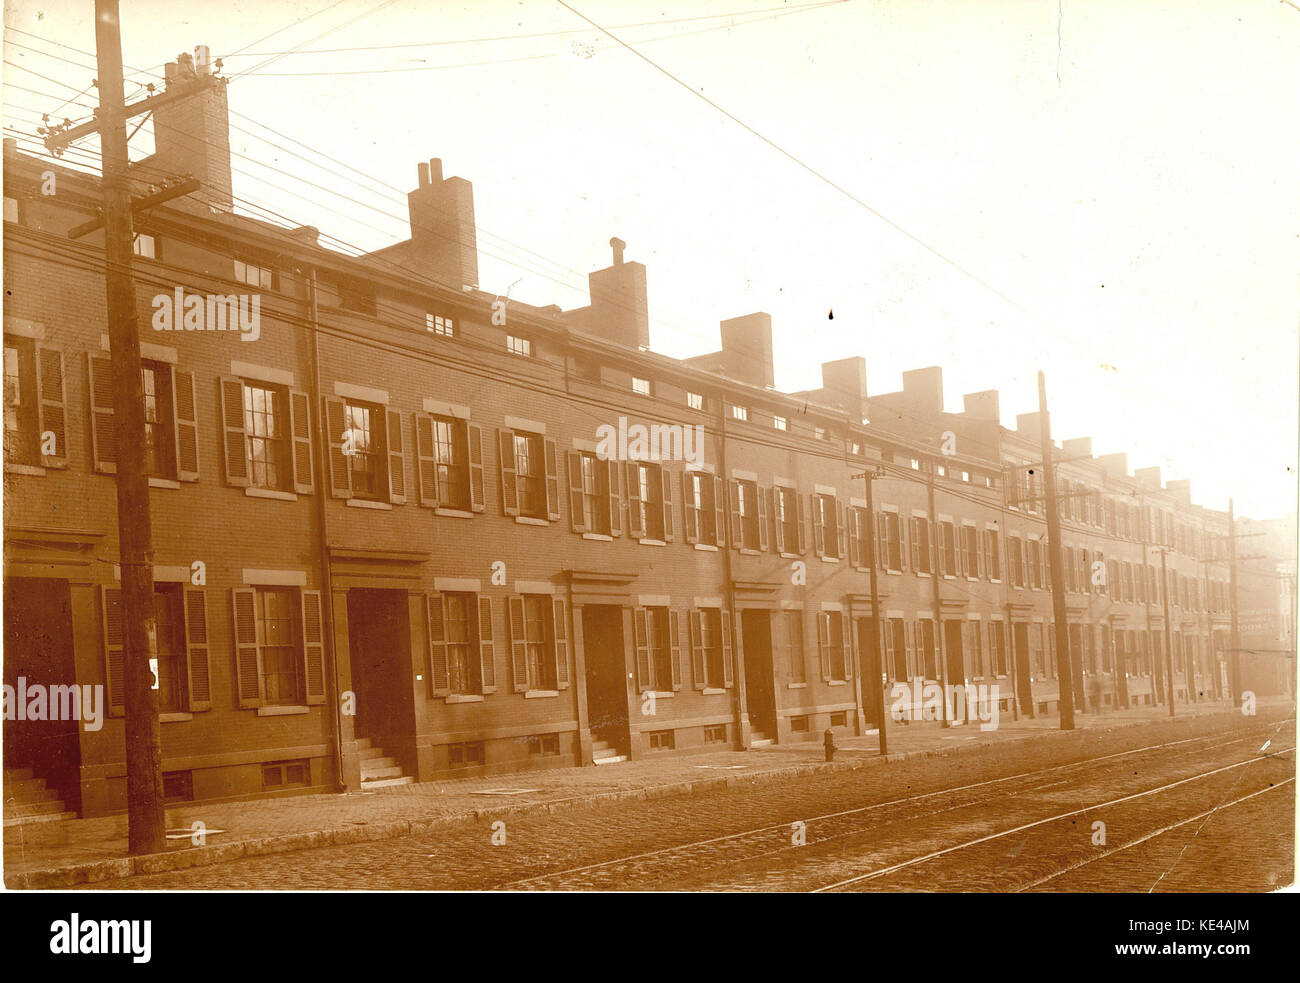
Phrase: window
[1016,560]
[717,734]
[640,386]
[529,474]
[544,744]
[896,648]
[799,725]
[1036,578]
[440,324]
[787,506]
[11,209]
[927,654]
[739,412]
[695,401]
[947,549]
[22,423]
[257,276]
[661,740]
[365,433]
[826,523]
[265,413]
[819,433]
[859,554]
[779,422]
[537,636]
[832,644]
[891,541]
[451,462]
[711,648]
[840,718]
[459,625]
[538,643]
[178,786]
[998,644]
[286,774]
[145,245]
[595,493]
[992,557]
[465,755]
[519,346]
[277,627]
[748,512]
[170,673]
[921,544]
[970,551]
[159,436]
[658,651]
[794,645]
[649,501]
[701,506]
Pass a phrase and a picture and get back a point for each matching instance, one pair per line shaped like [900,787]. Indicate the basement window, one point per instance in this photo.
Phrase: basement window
[544,744]
[465,755]
[178,786]
[799,725]
[840,719]
[286,774]
[661,740]
[717,734]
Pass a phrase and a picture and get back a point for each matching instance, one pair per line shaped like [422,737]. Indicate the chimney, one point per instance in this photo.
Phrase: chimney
[192,136]
[1077,447]
[1148,477]
[982,406]
[923,390]
[619,310]
[1181,490]
[747,349]
[844,384]
[1115,465]
[444,237]
[1027,425]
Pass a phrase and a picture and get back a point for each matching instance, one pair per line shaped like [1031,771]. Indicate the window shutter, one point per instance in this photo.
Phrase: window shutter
[552,481]
[642,649]
[487,650]
[690,514]
[719,511]
[846,641]
[577,514]
[902,542]
[854,534]
[916,543]
[509,479]
[396,458]
[887,669]
[185,431]
[675,647]
[667,483]
[933,528]
[963,552]
[114,650]
[439,682]
[733,512]
[518,648]
[882,541]
[613,475]
[909,646]
[803,522]
[313,646]
[763,493]
[426,463]
[779,497]
[335,423]
[304,476]
[842,528]
[103,437]
[248,646]
[728,673]
[198,659]
[477,494]
[635,516]
[824,643]
[561,626]
[981,565]
[697,648]
[52,399]
[815,503]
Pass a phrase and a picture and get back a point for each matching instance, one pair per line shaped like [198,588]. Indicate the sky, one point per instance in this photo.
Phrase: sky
[1106,192]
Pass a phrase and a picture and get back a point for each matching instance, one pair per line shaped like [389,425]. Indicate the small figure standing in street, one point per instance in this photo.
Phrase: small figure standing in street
[828,741]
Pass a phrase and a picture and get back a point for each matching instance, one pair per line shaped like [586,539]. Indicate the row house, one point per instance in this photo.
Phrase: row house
[406,529]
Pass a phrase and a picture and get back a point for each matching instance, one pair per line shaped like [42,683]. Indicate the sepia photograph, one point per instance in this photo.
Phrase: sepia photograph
[627,447]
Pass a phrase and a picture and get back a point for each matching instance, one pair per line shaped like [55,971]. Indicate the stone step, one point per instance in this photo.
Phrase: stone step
[17,774]
[30,795]
[367,753]
[363,742]
[760,742]
[370,771]
[612,759]
[18,810]
[48,817]
[19,787]
[387,782]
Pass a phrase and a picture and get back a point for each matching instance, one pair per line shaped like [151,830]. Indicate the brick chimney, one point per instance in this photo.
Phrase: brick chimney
[619,310]
[982,406]
[747,349]
[1077,447]
[192,136]
[844,384]
[444,237]
[923,390]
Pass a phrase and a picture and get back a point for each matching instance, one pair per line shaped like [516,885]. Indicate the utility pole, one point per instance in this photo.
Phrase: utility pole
[144,791]
[1169,644]
[1066,680]
[874,669]
[1234,657]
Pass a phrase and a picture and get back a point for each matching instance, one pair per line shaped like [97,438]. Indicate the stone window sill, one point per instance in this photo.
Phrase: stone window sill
[465,698]
[796,685]
[528,520]
[652,542]
[830,559]
[163,483]
[706,547]
[599,537]
[280,496]
[174,718]
[363,503]
[708,691]
[453,513]
[280,711]
[31,469]
[541,694]
[837,682]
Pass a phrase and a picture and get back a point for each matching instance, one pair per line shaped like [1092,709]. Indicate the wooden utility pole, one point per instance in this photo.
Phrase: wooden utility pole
[874,670]
[1064,660]
[144,786]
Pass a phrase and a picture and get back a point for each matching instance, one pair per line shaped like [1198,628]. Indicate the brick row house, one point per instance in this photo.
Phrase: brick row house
[387,529]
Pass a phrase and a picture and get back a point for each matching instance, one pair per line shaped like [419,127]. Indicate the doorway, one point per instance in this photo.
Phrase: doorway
[870,670]
[1020,637]
[760,691]
[379,640]
[607,682]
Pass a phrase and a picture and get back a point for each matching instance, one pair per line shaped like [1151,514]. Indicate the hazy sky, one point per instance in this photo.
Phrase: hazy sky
[1127,172]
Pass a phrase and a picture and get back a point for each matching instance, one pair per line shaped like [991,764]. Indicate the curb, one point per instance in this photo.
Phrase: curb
[156,863]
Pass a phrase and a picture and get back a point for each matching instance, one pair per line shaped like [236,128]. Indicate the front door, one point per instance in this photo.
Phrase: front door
[379,645]
[760,694]
[870,670]
[955,664]
[1020,634]
[607,682]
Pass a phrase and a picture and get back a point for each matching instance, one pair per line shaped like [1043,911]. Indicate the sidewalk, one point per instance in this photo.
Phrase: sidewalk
[80,851]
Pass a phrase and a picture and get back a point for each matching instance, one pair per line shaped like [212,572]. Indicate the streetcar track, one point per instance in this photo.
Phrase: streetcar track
[894,868]
[785,827]
[1152,835]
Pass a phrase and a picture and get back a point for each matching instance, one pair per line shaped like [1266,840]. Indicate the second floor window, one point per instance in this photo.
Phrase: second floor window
[365,433]
[159,435]
[649,501]
[595,496]
[451,458]
[921,549]
[267,435]
[889,536]
[826,521]
[530,475]
[22,426]
[530,485]
[1016,560]
[749,514]
[519,346]
[947,550]
[970,551]
[992,558]
[702,508]
[788,520]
